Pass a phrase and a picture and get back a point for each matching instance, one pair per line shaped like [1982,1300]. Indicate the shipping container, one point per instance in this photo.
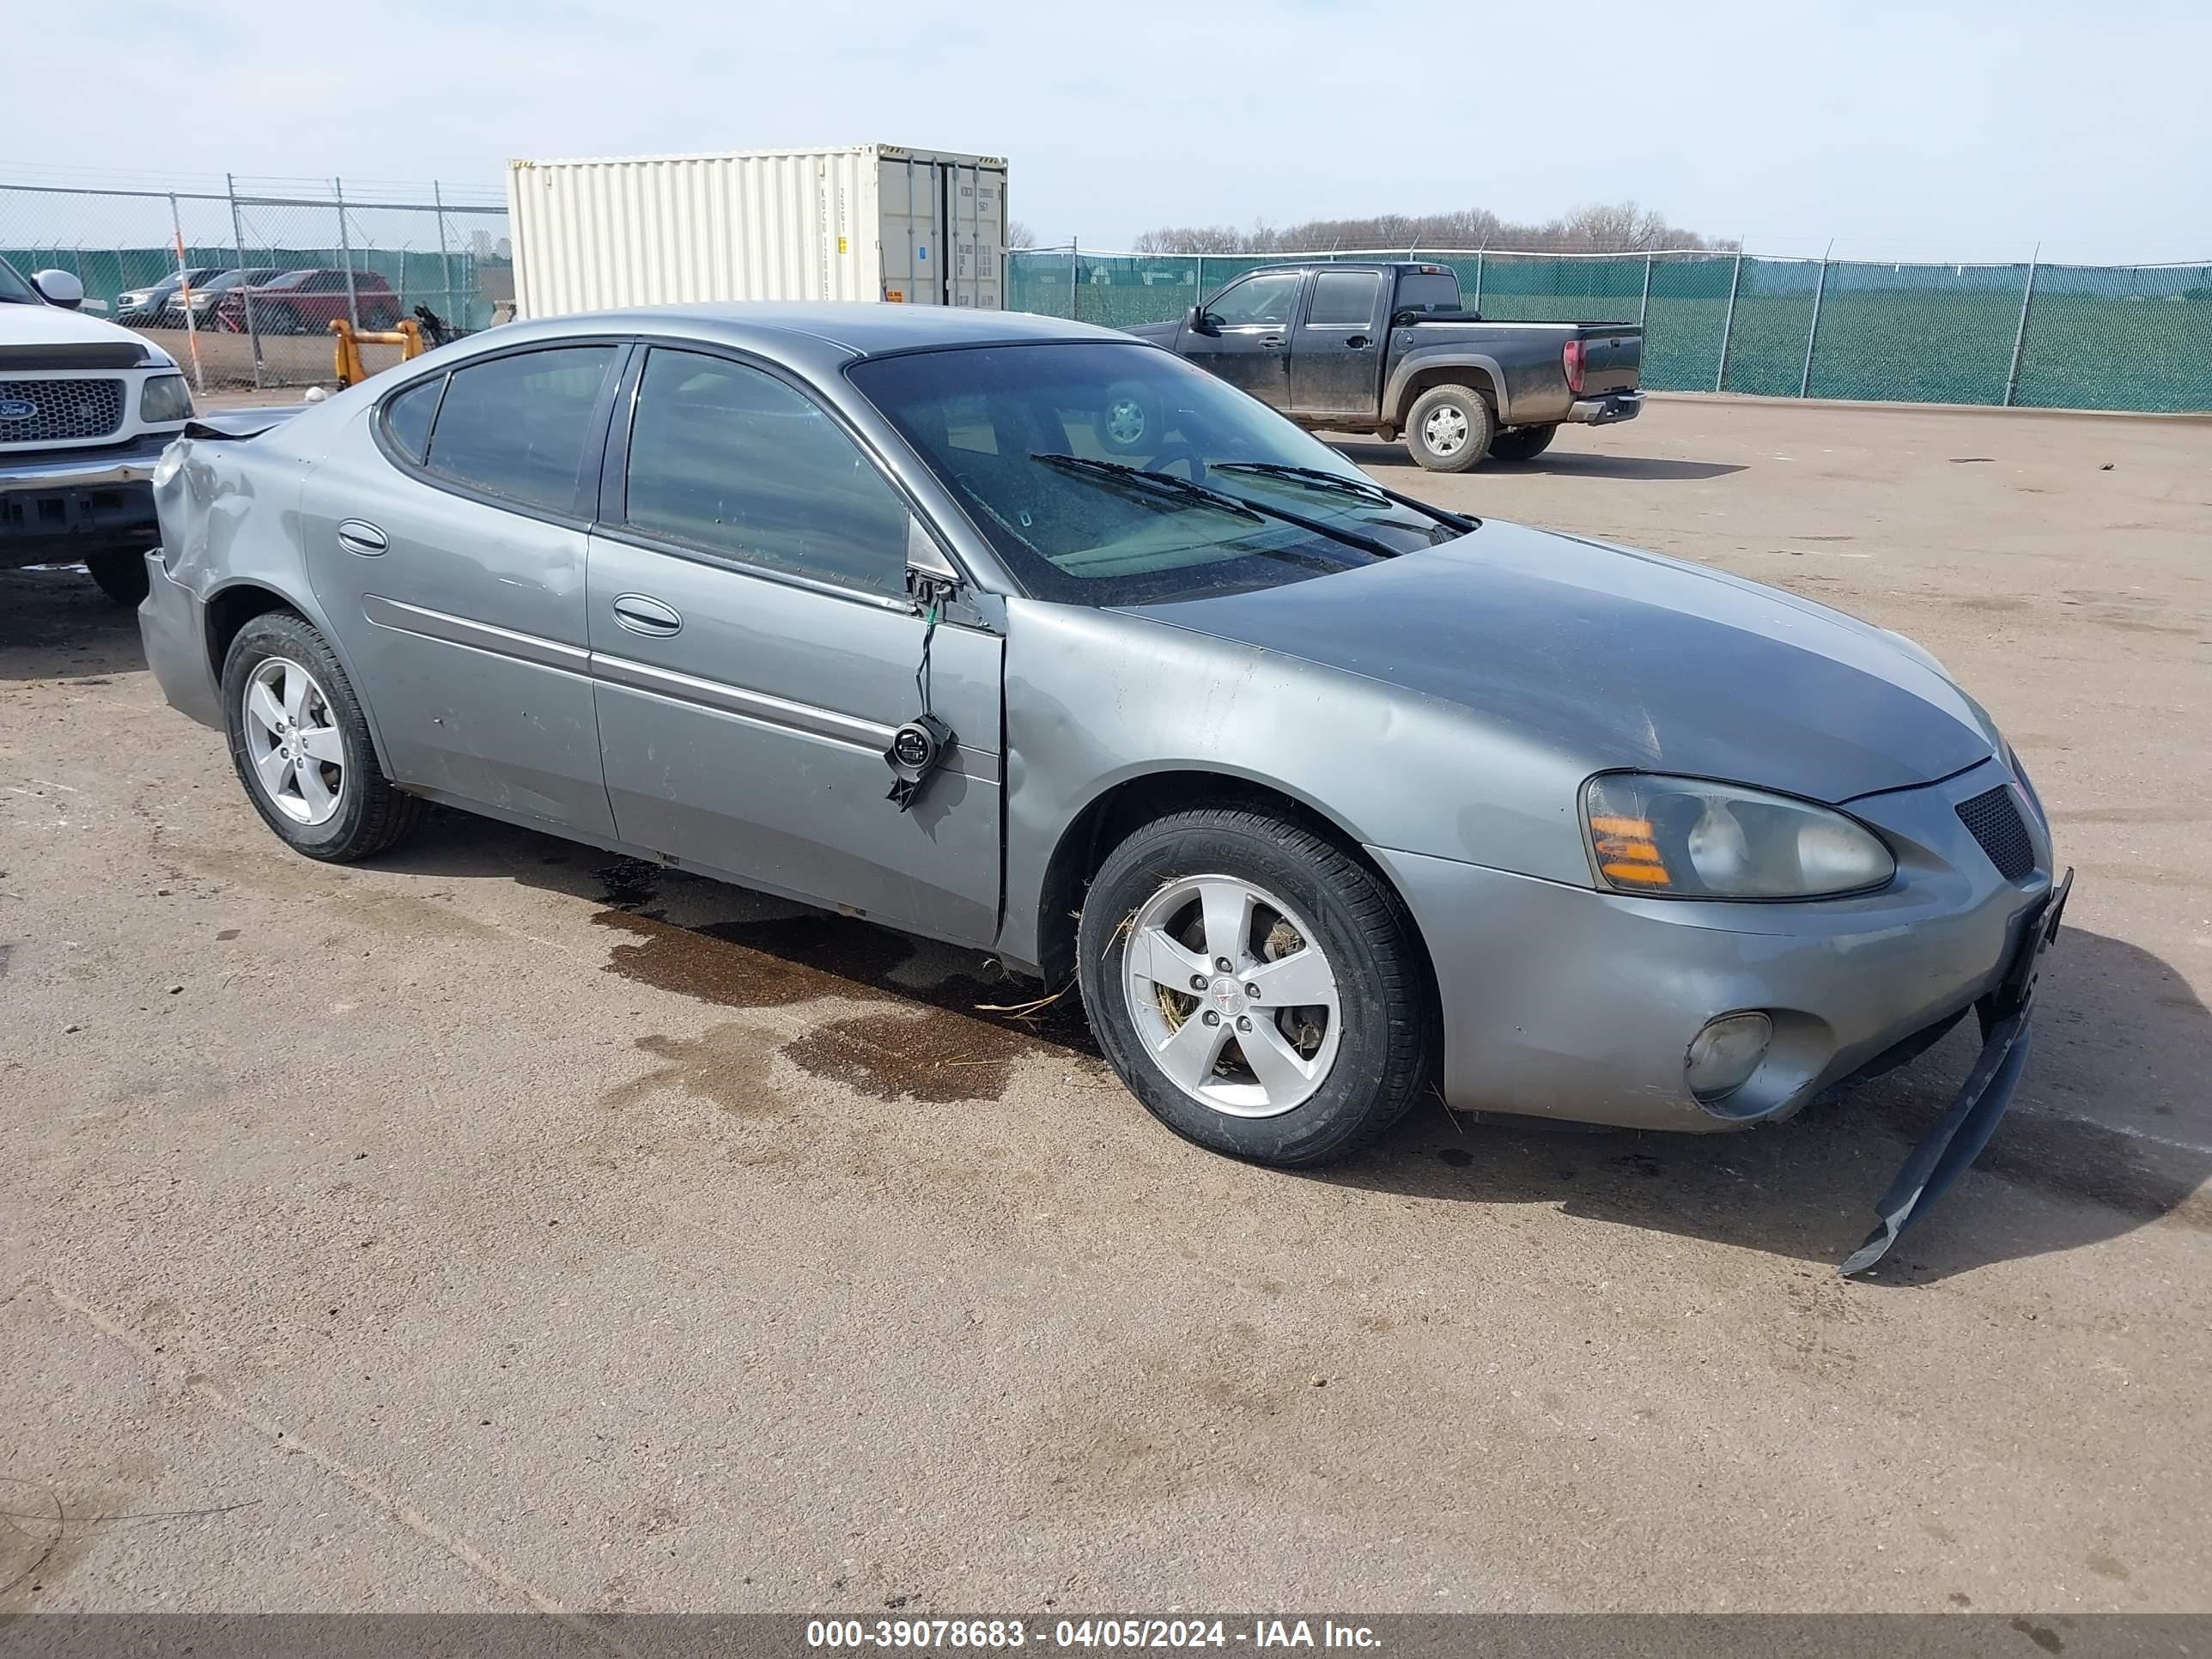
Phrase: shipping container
[873,222]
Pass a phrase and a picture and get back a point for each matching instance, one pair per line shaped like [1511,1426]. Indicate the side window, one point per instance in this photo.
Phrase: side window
[519,426]
[1343,298]
[323,281]
[1264,299]
[407,418]
[730,459]
[1427,291]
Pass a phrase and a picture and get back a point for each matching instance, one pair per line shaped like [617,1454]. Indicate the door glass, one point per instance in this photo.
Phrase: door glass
[407,417]
[1343,298]
[730,459]
[1257,300]
[519,425]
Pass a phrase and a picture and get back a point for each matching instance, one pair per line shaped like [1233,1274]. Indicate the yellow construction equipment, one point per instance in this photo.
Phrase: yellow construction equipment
[408,337]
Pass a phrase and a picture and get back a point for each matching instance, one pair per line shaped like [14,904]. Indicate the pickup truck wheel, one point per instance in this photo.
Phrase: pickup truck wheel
[1448,429]
[121,575]
[1255,987]
[300,743]
[1522,443]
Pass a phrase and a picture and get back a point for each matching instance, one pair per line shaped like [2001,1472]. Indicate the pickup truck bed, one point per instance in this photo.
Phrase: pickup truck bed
[1386,348]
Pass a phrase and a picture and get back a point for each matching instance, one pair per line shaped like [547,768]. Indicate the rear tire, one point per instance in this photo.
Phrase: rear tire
[1450,429]
[1522,443]
[368,815]
[121,575]
[1366,1050]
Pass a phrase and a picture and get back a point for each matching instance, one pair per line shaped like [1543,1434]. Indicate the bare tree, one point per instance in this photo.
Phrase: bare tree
[1019,234]
[1598,228]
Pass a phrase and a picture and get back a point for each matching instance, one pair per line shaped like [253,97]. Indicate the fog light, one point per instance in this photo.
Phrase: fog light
[1725,1053]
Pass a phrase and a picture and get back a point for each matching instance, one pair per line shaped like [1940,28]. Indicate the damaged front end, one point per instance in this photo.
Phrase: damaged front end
[1959,1135]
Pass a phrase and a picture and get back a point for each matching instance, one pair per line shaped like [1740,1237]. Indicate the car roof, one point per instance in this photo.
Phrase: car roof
[851,329]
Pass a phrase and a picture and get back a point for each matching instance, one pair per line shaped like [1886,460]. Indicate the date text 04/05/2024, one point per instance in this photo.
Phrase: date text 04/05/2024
[1102,1634]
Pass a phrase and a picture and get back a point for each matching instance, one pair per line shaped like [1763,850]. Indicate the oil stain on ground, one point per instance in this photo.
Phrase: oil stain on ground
[960,1051]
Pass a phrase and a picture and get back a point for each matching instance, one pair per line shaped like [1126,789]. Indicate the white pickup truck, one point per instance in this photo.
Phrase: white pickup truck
[86,408]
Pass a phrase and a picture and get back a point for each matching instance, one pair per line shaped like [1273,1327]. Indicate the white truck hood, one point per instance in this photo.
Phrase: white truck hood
[22,324]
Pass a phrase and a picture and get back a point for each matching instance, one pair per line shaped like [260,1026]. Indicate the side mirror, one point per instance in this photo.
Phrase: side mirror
[60,288]
[929,577]
[1198,322]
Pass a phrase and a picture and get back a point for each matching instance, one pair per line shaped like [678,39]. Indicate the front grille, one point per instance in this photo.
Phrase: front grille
[59,411]
[1993,818]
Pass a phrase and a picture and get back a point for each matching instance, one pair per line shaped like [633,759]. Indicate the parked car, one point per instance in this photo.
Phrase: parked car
[204,298]
[86,408]
[152,304]
[1320,793]
[307,302]
[1386,349]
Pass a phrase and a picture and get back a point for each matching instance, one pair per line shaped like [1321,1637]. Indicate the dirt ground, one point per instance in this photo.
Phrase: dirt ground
[500,1226]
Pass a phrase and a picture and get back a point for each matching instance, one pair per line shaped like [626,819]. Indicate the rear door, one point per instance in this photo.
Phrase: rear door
[1336,349]
[446,543]
[1247,325]
[755,651]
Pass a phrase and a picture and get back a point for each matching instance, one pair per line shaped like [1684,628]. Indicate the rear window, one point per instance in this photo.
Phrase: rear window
[1420,292]
[518,427]
[407,418]
[1342,298]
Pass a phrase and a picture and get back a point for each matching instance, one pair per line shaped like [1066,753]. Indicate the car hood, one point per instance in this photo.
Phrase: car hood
[1625,659]
[52,326]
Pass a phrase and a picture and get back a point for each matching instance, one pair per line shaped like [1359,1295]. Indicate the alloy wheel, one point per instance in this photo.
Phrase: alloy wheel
[1233,996]
[293,742]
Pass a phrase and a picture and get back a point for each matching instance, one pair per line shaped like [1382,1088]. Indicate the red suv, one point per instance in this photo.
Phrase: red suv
[308,301]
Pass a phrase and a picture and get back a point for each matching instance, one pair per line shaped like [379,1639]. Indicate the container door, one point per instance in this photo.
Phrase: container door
[978,219]
[912,228]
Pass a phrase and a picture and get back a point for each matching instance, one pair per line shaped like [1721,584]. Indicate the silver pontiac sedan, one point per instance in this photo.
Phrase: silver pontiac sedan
[1324,797]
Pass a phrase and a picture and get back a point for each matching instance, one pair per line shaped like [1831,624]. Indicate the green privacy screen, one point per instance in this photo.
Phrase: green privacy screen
[2046,336]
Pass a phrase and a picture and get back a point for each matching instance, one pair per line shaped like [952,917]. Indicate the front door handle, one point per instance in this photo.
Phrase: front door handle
[1271,343]
[642,615]
[1357,342]
[360,536]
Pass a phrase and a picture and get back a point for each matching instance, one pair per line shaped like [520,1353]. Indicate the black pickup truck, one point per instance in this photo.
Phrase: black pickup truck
[1386,349]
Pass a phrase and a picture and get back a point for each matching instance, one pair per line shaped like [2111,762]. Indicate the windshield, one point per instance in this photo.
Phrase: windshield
[14,290]
[1077,460]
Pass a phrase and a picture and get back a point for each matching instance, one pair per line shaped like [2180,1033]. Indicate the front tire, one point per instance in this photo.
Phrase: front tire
[1318,1033]
[1522,443]
[1450,429]
[121,575]
[300,743]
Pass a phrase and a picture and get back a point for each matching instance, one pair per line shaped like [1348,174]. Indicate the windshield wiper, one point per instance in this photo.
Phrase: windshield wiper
[1336,482]
[1161,484]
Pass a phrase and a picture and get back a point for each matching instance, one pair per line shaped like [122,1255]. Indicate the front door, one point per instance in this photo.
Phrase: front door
[1247,326]
[1336,349]
[754,653]
[449,559]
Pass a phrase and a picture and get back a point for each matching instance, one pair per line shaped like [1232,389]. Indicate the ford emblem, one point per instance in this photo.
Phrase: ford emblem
[17,409]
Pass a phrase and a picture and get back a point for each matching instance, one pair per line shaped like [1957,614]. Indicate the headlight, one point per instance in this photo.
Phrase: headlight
[165,401]
[1685,838]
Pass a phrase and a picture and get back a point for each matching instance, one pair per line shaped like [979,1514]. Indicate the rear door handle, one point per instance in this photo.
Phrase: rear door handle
[643,615]
[360,536]
[1357,342]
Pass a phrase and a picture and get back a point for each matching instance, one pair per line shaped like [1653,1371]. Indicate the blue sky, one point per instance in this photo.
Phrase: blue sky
[1963,130]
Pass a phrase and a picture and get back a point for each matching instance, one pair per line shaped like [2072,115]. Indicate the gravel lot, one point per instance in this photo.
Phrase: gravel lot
[497,1226]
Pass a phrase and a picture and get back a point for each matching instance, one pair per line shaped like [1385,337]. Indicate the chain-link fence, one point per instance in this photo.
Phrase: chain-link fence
[2041,336]
[240,284]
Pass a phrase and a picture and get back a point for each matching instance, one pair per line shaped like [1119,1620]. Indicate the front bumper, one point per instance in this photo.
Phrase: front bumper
[1561,1001]
[172,625]
[64,504]
[1606,409]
